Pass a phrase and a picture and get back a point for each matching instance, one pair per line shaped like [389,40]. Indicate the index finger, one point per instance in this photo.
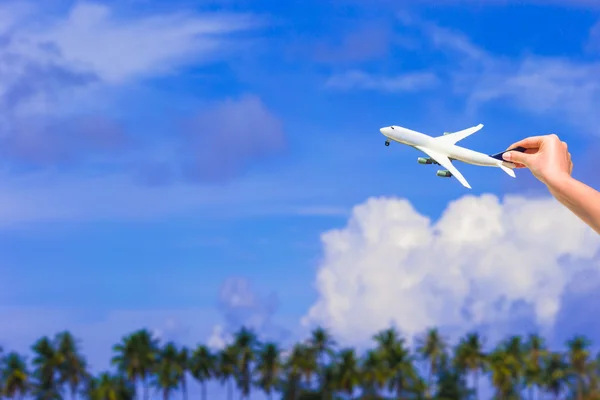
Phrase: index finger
[531,142]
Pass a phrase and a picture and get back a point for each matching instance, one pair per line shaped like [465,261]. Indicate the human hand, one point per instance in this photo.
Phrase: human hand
[547,157]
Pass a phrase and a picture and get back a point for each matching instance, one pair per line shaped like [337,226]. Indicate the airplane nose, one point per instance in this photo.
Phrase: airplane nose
[382,130]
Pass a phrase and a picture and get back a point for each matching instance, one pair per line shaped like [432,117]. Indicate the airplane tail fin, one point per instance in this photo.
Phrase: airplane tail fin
[504,168]
[498,156]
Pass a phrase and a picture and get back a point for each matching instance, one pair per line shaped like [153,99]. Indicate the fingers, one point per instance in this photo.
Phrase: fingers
[530,142]
[517,157]
[534,142]
[571,164]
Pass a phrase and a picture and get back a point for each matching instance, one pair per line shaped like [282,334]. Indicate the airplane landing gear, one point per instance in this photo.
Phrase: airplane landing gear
[387,142]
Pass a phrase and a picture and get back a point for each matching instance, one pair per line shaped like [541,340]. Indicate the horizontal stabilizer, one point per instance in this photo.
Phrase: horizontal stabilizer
[453,138]
[508,170]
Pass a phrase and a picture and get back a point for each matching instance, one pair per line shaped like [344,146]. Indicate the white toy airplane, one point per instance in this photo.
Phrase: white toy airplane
[443,149]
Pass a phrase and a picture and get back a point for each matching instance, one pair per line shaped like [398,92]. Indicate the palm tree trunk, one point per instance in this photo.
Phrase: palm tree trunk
[531,392]
[165,394]
[229,390]
[203,390]
[476,384]
[146,391]
[428,388]
[184,387]
[322,379]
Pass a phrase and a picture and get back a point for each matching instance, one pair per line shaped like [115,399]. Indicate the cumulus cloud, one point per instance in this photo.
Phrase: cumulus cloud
[483,263]
[401,83]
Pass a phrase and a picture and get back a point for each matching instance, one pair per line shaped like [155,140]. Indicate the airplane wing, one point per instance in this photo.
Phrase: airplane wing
[453,138]
[445,162]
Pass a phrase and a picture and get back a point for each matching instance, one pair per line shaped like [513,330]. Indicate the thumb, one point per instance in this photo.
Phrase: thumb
[517,157]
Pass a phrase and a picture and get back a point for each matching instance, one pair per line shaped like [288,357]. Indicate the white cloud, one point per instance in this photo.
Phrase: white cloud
[218,339]
[470,268]
[121,49]
[401,83]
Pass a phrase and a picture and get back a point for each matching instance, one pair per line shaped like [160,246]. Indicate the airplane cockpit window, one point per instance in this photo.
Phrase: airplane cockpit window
[392,127]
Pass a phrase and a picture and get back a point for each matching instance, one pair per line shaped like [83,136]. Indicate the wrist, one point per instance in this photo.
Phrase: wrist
[559,184]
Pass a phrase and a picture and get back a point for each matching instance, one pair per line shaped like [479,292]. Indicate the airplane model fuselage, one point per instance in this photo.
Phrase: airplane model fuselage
[443,149]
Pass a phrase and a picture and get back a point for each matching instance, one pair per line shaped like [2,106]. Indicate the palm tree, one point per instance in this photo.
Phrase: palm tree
[452,384]
[403,378]
[386,340]
[15,377]
[269,368]
[202,367]
[183,361]
[73,367]
[244,343]
[110,387]
[322,344]
[136,357]
[47,364]
[348,373]
[373,374]
[168,370]
[432,348]
[293,371]
[226,368]
[579,355]
[502,369]
[555,374]
[515,350]
[535,352]
[469,356]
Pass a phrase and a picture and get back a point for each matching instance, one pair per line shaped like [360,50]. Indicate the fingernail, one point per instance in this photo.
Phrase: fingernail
[507,156]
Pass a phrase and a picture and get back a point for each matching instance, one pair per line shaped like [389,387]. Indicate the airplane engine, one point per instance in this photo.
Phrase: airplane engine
[422,160]
[443,173]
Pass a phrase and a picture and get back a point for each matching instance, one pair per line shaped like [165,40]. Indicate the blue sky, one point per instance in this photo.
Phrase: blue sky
[155,155]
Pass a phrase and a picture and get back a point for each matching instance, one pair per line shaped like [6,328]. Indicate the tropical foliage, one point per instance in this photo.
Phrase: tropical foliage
[317,368]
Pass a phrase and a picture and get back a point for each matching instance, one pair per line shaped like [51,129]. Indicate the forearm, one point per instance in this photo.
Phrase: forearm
[578,197]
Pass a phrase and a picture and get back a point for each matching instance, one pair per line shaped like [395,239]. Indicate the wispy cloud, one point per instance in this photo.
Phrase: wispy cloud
[593,43]
[222,139]
[120,49]
[401,83]
[362,43]
[552,86]
[55,70]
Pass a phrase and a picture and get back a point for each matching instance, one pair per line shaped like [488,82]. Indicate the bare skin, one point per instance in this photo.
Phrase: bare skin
[549,160]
